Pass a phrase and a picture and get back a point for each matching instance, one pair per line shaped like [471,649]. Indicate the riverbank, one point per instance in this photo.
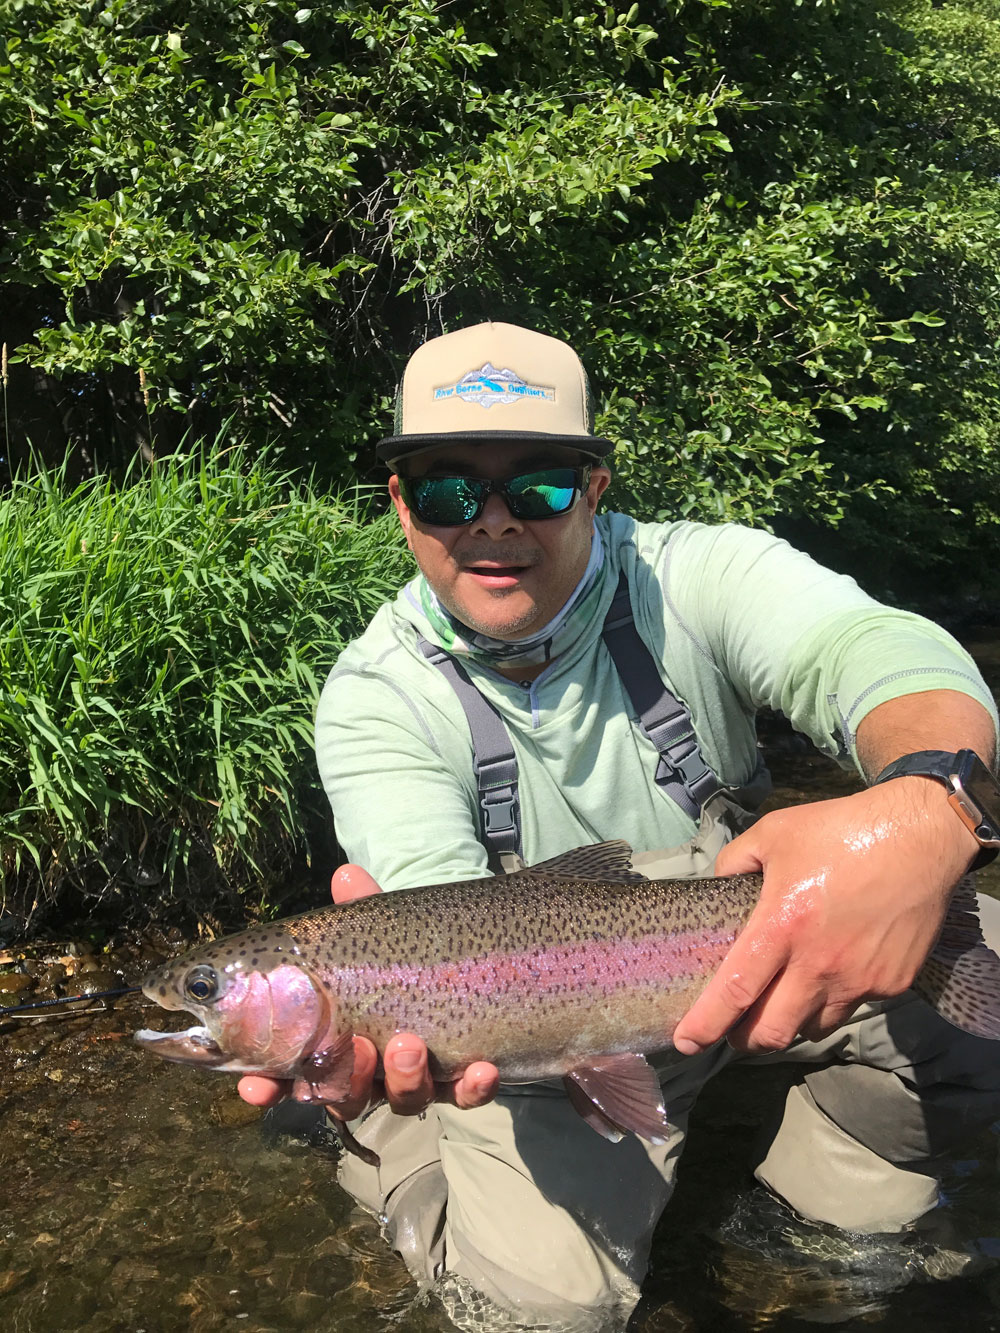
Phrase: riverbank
[162,645]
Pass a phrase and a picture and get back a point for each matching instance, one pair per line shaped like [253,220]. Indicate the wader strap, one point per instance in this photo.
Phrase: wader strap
[682,771]
[494,762]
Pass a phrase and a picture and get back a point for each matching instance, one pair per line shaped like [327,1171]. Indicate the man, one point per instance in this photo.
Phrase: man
[621,665]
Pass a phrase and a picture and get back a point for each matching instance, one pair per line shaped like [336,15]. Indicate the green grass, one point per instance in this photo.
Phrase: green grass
[162,646]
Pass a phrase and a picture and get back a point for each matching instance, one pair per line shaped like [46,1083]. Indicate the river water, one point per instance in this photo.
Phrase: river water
[140,1197]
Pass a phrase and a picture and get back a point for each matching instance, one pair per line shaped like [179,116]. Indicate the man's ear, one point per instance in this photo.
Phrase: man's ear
[600,480]
[402,511]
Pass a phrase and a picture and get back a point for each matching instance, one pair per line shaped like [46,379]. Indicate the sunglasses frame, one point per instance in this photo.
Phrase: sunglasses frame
[581,481]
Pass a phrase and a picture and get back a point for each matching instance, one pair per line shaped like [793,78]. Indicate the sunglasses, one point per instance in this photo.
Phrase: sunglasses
[450,502]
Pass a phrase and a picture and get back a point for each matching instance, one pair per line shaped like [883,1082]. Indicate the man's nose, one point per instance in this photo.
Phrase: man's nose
[496,520]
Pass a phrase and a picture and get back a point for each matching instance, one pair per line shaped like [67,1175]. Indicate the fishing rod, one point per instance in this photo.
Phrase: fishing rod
[67,999]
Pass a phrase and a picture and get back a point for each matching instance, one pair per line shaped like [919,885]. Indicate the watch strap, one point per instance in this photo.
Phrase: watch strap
[939,764]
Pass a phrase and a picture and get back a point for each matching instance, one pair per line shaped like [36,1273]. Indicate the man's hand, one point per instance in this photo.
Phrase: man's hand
[409,1088]
[855,892]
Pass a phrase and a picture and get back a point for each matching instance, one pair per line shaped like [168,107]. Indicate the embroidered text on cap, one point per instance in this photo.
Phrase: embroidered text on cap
[490,386]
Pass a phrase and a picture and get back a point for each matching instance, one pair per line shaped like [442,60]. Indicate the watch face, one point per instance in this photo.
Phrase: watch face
[982,792]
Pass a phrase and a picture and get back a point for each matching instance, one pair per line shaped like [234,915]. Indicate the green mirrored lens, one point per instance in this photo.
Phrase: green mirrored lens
[452,501]
[542,494]
[448,500]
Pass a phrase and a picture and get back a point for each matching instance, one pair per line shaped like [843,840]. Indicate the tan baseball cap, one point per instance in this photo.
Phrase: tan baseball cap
[490,383]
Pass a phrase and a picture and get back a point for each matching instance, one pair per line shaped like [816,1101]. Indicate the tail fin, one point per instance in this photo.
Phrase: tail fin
[961,978]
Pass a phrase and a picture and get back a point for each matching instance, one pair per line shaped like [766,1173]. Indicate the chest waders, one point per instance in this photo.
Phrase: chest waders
[681,770]
[526,1209]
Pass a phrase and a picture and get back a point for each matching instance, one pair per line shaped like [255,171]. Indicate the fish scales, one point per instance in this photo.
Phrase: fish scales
[576,967]
[530,971]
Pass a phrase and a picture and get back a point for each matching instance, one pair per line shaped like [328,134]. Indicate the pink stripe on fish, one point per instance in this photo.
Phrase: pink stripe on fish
[599,966]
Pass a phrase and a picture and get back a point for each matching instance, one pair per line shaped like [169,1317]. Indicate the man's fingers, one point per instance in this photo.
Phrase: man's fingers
[739,857]
[350,882]
[792,1006]
[723,1003]
[362,1080]
[778,1016]
[747,971]
[409,1088]
[477,1086]
[261,1091]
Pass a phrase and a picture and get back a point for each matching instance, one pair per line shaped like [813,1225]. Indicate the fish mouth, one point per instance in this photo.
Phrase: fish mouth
[193,1046]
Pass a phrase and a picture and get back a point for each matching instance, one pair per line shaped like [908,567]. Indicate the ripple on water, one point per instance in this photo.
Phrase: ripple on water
[137,1206]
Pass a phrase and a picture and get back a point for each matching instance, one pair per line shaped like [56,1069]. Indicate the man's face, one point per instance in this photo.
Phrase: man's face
[500,575]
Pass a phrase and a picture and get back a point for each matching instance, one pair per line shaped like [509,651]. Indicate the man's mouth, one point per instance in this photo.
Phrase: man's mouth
[492,575]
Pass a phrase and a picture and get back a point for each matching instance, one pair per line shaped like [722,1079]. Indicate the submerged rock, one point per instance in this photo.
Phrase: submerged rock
[13,985]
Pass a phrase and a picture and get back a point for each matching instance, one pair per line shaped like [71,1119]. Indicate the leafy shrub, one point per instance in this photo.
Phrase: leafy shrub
[772,229]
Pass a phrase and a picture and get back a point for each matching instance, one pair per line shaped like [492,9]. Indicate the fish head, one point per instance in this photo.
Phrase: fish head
[256,1015]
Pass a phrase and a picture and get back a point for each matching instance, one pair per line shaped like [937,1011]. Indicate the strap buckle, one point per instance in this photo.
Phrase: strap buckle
[684,761]
[500,812]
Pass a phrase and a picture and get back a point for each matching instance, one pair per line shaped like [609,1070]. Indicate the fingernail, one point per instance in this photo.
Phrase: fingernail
[686,1046]
[406,1061]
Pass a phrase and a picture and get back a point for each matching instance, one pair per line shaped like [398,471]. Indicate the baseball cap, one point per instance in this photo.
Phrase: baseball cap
[492,383]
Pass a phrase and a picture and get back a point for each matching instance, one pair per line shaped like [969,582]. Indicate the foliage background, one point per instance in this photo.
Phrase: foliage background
[162,647]
[770,226]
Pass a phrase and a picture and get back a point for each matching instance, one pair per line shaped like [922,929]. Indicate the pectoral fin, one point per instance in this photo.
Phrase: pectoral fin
[961,978]
[593,1115]
[325,1075]
[618,1094]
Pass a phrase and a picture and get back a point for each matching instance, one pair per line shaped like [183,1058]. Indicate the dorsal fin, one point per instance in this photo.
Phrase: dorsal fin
[610,861]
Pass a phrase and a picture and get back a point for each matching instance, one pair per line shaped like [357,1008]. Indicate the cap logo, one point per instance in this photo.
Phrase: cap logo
[489,386]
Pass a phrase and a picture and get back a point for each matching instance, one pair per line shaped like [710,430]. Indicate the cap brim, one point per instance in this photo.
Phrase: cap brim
[396,447]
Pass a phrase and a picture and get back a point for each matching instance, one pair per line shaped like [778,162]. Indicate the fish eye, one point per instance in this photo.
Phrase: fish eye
[202,984]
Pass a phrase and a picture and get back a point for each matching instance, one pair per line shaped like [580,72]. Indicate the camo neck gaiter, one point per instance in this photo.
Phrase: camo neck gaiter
[550,642]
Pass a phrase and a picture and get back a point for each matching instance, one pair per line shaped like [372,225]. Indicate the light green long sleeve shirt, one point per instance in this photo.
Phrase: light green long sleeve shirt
[737,621]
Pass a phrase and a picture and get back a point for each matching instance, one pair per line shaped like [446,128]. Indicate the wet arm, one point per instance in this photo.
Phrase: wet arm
[855,889]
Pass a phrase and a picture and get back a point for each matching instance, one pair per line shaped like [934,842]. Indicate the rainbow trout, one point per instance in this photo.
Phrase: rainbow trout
[575,967]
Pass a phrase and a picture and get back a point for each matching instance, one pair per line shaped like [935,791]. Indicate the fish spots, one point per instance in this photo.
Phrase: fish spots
[513,958]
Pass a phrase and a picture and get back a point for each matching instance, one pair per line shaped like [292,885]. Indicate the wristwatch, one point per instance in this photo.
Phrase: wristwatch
[973,791]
